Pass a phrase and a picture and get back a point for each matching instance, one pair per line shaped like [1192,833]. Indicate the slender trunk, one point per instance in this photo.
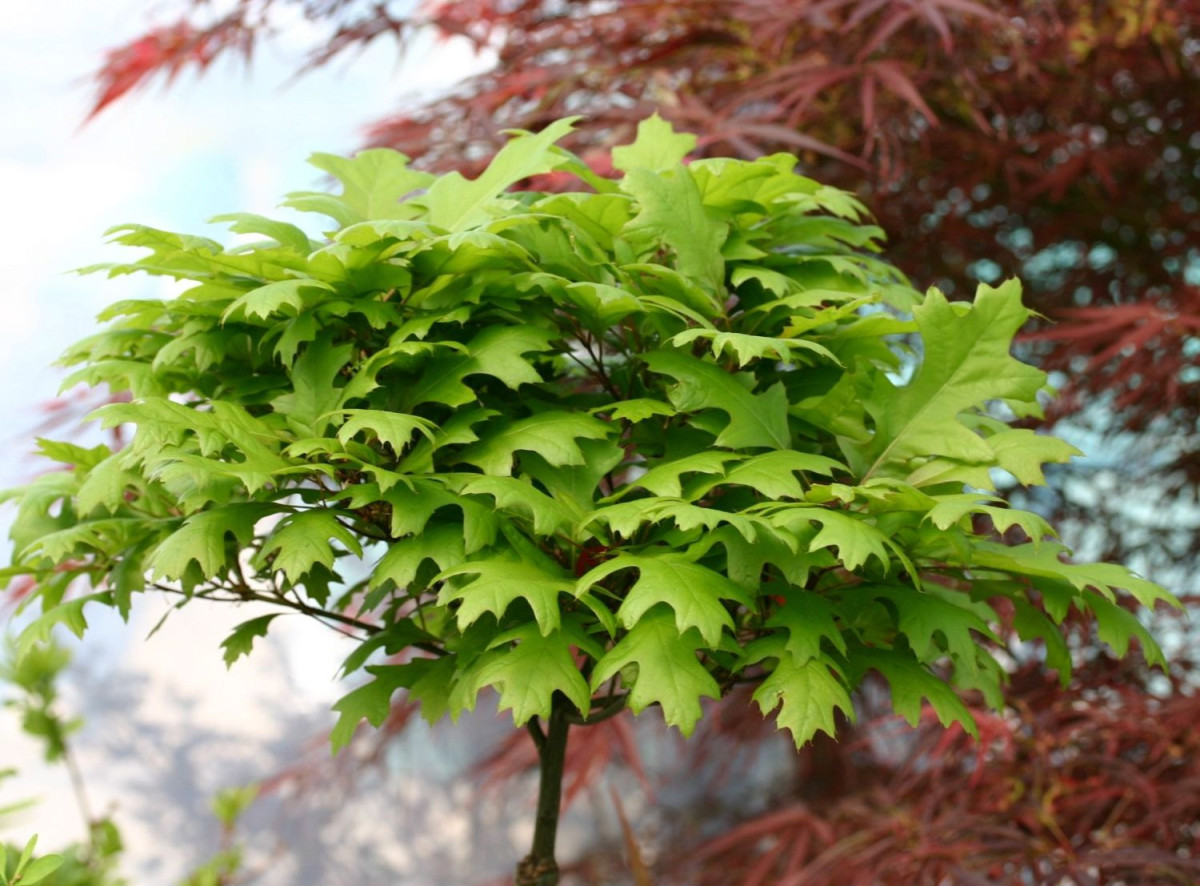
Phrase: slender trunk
[539,868]
[81,798]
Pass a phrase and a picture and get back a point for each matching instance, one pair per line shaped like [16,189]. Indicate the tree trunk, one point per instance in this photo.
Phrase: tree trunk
[539,868]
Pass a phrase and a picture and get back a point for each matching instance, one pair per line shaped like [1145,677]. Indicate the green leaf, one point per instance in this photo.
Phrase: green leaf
[104,486]
[577,485]
[602,305]
[809,620]
[128,576]
[668,672]
[664,478]
[636,410]
[302,541]
[778,284]
[71,454]
[529,675]
[629,516]
[671,214]
[856,540]
[39,869]
[314,396]
[26,853]
[500,582]
[441,544]
[1116,627]
[372,701]
[395,429]
[281,232]
[693,591]
[1020,451]
[807,693]
[373,183]
[755,420]
[1044,561]
[106,536]
[745,560]
[417,500]
[1032,624]
[456,430]
[393,639]
[204,539]
[551,435]
[911,682]
[953,510]
[497,351]
[446,685]
[657,147]
[923,615]
[746,348]
[966,364]
[456,203]
[68,614]
[267,300]
[680,296]
[186,257]
[772,473]
[1023,452]
[517,496]
[241,641]
[231,803]
[408,231]
[601,216]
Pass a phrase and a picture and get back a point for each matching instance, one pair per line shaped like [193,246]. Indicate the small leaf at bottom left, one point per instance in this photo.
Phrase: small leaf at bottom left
[39,869]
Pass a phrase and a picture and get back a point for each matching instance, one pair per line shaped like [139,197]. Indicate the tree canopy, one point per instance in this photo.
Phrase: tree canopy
[626,446]
[1052,140]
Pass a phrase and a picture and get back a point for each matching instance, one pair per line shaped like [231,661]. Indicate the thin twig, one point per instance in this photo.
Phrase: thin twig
[81,797]
[247,594]
[605,713]
[535,730]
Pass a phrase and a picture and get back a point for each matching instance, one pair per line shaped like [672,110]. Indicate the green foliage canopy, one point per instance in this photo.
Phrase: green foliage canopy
[633,445]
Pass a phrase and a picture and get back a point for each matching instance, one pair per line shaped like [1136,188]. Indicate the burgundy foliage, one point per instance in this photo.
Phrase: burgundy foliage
[1054,139]
[1095,784]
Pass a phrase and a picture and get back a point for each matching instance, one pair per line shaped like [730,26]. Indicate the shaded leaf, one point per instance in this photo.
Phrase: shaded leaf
[668,673]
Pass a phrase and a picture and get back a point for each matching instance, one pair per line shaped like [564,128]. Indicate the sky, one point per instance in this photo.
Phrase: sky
[233,141]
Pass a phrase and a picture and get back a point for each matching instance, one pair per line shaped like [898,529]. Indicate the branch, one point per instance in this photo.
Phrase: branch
[248,594]
[79,789]
[352,528]
[535,730]
[607,712]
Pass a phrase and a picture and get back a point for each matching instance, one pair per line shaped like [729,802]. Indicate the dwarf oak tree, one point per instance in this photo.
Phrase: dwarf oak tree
[623,447]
